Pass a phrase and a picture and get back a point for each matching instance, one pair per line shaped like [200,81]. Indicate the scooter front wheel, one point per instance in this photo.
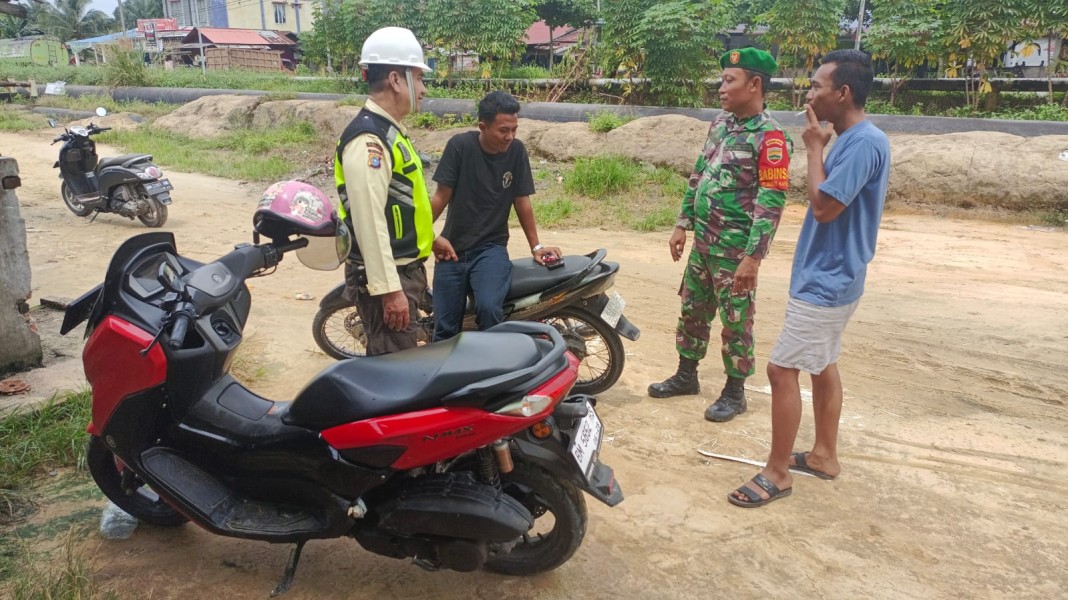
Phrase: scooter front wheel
[144,504]
[595,343]
[75,207]
[154,215]
[559,512]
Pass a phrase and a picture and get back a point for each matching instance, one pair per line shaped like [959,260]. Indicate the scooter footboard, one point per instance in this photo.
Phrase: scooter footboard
[570,448]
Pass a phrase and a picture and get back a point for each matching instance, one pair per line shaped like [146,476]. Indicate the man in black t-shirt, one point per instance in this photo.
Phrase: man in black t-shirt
[481,176]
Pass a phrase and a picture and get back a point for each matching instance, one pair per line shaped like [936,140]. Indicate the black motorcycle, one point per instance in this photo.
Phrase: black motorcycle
[129,185]
[572,298]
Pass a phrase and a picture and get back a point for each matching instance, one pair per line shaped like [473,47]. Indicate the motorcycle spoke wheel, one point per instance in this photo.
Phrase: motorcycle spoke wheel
[338,332]
[559,527]
[594,343]
[143,503]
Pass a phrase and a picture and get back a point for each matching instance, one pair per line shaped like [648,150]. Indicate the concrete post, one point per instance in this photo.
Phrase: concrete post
[20,346]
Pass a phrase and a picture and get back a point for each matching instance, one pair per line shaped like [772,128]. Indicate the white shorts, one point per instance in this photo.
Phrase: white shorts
[811,337]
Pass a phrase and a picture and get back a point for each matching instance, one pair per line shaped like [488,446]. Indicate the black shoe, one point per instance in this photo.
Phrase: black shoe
[679,384]
[730,404]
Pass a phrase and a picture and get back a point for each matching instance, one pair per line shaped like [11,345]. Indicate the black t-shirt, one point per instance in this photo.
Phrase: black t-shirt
[485,187]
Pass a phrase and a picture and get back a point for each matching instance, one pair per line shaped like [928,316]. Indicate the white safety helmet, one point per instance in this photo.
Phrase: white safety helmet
[393,46]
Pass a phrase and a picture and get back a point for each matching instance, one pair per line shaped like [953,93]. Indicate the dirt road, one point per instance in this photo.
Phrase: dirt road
[954,433]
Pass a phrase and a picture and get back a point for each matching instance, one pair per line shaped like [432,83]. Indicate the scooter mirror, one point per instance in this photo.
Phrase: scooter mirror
[101,111]
[170,279]
[52,123]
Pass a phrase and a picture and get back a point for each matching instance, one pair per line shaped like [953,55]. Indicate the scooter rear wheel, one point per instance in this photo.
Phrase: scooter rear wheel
[156,215]
[75,207]
[559,511]
[594,343]
[144,504]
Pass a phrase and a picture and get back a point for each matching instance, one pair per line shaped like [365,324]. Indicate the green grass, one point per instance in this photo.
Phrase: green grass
[20,120]
[426,120]
[150,110]
[39,576]
[602,176]
[603,122]
[553,213]
[31,442]
[254,154]
[1053,218]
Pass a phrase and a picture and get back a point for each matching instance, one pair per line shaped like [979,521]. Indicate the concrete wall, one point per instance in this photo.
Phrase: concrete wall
[20,346]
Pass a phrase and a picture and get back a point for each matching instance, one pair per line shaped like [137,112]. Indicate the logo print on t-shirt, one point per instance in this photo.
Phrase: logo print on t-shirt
[506,181]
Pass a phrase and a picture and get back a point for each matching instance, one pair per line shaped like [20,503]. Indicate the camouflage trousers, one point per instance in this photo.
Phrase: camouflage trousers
[706,289]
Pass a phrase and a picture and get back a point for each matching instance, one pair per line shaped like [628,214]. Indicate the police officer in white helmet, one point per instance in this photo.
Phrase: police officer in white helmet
[384,199]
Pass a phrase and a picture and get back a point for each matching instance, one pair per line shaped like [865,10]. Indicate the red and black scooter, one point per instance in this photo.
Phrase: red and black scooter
[461,455]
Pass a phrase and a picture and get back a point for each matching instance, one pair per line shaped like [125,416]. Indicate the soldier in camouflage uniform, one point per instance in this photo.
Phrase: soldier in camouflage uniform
[735,199]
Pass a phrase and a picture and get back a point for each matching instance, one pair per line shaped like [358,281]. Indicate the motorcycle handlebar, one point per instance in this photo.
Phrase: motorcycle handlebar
[182,318]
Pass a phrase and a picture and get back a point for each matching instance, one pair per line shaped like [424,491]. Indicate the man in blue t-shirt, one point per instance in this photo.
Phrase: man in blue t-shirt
[837,241]
[481,176]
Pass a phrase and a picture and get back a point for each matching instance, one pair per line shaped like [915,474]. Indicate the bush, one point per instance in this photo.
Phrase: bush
[125,67]
[601,176]
[606,121]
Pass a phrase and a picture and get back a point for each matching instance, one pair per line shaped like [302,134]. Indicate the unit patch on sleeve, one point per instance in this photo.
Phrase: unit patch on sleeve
[774,165]
[374,155]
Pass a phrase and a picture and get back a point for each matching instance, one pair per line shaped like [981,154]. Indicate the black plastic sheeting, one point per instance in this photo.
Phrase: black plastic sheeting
[562,112]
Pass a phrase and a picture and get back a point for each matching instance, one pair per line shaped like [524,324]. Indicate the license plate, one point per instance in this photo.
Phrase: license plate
[613,310]
[163,185]
[586,441]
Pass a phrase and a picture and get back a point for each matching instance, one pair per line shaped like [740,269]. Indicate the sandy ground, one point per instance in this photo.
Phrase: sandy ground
[954,434]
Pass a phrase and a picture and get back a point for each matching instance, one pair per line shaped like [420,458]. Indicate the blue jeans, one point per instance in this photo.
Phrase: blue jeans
[485,273]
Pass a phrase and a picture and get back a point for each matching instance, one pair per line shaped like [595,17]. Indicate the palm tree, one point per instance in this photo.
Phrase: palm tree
[72,20]
[139,9]
[13,27]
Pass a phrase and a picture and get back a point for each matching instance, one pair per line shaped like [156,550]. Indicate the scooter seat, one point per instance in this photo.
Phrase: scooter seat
[116,161]
[529,277]
[409,380]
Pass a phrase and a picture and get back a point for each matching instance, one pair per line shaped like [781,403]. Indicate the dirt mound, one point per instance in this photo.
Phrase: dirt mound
[211,116]
[966,170]
[327,117]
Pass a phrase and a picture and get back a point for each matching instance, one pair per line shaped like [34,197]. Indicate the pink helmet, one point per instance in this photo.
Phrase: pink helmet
[294,208]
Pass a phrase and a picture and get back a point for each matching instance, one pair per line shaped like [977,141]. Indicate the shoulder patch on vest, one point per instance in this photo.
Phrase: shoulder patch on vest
[774,165]
[374,155]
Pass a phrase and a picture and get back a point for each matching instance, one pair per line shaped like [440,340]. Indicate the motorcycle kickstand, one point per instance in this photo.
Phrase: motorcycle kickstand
[291,570]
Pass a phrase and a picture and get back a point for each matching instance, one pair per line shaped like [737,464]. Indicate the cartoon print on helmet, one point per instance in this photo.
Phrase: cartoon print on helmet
[307,206]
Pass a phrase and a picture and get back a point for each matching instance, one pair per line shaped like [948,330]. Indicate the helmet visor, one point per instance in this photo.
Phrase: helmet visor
[328,252]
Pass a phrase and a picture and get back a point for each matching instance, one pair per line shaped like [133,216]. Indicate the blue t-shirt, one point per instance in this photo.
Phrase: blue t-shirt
[831,259]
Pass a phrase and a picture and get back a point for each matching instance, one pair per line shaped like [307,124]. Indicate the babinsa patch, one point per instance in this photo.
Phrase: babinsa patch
[774,163]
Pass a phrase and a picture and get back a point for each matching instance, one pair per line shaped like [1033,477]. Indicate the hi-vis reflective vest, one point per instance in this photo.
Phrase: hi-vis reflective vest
[408,205]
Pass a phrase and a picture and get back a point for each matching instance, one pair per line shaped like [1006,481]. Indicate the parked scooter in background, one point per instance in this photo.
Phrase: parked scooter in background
[129,185]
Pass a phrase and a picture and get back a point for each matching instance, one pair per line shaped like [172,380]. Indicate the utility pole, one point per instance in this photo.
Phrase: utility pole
[200,38]
[860,25]
[122,17]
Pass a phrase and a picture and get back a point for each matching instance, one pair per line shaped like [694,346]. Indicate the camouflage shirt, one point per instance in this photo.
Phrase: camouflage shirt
[738,187]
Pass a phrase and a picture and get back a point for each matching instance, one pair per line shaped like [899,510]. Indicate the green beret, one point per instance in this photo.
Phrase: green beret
[750,58]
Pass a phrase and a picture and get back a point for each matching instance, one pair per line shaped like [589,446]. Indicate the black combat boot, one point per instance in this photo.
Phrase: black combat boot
[731,401]
[682,383]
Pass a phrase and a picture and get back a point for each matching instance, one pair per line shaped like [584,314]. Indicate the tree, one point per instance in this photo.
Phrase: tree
[979,31]
[72,20]
[561,13]
[491,28]
[803,30]
[906,34]
[1049,20]
[681,47]
[341,26]
[139,9]
[13,27]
